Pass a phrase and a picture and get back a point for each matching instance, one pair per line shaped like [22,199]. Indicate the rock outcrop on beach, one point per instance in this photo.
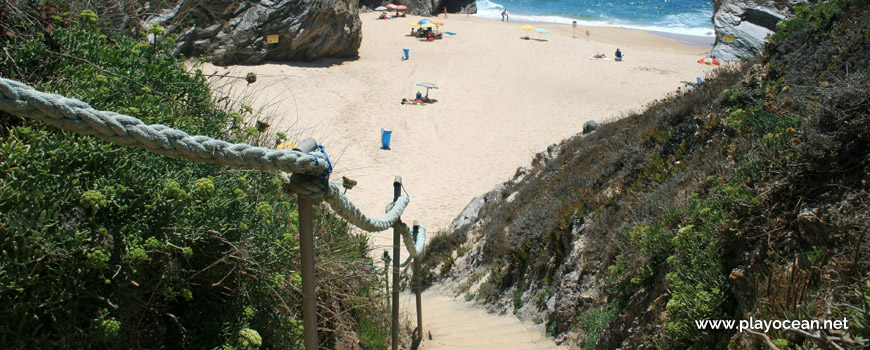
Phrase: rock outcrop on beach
[425,7]
[237,32]
[748,22]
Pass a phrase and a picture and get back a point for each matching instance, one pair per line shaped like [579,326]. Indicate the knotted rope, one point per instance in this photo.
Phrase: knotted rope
[310,171]
[415,244]
[76,116]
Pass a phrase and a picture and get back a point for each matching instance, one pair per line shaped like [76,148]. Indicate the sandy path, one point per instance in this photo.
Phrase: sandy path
[455,324]
[501,100]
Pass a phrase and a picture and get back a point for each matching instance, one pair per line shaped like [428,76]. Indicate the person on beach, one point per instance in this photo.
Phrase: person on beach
[618,55]
[383,15]
[502,15]
[445,12]
[587,35]
[599,55]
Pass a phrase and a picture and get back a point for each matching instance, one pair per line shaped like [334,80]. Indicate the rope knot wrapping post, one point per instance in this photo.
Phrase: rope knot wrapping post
[309,187]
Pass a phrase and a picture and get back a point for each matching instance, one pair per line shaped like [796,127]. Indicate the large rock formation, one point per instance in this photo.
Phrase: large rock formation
[748,22]
[426,7]
[235,32]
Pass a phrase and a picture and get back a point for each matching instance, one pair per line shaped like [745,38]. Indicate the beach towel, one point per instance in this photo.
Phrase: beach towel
[450,33]
[599,58]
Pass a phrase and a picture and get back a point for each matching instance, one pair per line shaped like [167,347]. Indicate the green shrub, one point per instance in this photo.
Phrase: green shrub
[518,298]
[593,322]
[112,247]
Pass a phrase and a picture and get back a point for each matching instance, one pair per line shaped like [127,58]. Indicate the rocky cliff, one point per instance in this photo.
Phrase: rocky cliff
[236,32]
[742,25]
[425,7]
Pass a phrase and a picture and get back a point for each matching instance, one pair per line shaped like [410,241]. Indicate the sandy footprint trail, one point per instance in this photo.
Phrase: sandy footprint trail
[455,324]
[501,101]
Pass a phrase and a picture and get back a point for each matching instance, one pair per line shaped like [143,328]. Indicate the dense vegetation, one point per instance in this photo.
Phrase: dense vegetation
[109,247]
[748,196]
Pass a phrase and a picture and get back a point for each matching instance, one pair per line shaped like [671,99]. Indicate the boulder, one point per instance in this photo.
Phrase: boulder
[590,126]
[235,32]
[426,7]
[748,22]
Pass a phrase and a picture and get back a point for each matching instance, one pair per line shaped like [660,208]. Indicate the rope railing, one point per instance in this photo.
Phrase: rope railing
[306,167]
[304,171]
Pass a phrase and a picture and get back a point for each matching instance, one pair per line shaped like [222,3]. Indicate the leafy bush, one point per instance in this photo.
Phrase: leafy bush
[593,322]
[105,246]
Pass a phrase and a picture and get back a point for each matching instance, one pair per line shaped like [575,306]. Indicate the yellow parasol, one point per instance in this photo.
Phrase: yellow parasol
[527,27]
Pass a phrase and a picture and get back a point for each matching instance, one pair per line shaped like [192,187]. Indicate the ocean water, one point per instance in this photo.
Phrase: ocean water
[690,17]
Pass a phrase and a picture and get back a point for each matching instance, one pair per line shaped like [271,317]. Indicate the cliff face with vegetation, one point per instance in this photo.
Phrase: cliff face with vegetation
[747,196]
[746,24]
[236,32]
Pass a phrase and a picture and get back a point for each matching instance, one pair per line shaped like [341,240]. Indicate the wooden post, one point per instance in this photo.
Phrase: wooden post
[397,191]
[306,246]
[418,286]
[386,259]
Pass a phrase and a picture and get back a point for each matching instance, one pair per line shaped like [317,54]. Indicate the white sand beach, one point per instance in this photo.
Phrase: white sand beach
[501,100]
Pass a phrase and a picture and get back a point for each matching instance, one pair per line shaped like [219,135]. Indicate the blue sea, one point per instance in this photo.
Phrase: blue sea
[689,17]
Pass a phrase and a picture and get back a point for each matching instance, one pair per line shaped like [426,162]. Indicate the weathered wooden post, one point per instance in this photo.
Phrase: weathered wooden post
[386,259]
[418,285]
[306,246]
[397,191]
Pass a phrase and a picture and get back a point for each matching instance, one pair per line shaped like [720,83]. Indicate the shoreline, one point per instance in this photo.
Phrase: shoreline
[704,41]
[691,40]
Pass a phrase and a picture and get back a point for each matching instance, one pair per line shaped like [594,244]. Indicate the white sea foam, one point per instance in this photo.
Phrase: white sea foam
[675,23]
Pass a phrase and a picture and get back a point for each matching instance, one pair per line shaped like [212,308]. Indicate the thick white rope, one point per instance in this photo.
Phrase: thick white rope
[76,116]
[307,168]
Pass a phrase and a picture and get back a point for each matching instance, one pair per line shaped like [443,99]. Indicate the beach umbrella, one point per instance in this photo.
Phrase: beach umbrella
[381,8]
[709,61]
[413,24]
[391,6]
[424,20]
[427,25]
[401,7]
[428,86]
[541,31]
[438,23]
[526,27]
